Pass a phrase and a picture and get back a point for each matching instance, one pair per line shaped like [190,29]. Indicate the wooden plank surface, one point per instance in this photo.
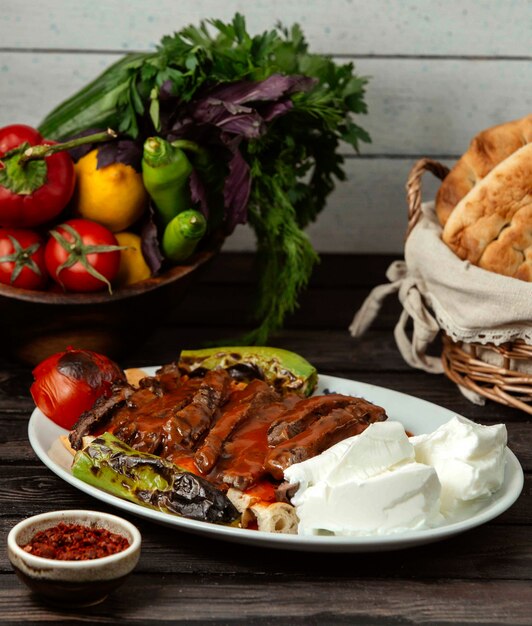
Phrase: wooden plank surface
[366,602]
[480,577]
[349,27]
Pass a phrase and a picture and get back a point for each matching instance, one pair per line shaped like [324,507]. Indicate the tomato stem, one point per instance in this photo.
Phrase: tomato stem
[21,257]
[78,253]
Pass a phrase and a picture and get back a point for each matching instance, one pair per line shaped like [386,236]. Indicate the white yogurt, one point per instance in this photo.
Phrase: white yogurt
[369,484]
[469,459]
[382,482]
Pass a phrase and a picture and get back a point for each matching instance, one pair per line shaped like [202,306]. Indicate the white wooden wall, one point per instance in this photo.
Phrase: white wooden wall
[440,72]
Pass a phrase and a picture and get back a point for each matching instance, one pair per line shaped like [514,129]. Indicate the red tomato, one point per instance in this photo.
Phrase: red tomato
[68,383]
[22,259]
[82,255]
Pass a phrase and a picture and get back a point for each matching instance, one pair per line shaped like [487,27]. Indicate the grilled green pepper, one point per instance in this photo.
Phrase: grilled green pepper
[148,480]
[182,235]
[165,172]
[284,370]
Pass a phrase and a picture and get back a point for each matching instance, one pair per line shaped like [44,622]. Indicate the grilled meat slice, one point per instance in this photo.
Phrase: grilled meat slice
[241,404]
[145,422]
[166,379]
[324,433]
[241,463]
[305,413]
[100,413]
[195,419]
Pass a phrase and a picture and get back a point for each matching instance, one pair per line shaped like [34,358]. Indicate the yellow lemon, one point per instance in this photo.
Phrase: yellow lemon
[113,196]
[133,267]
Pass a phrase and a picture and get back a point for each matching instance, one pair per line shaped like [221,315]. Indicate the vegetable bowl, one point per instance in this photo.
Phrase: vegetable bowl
[36,324]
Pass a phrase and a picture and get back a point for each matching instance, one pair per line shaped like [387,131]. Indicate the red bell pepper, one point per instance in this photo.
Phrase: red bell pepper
[36,176]
[12,136]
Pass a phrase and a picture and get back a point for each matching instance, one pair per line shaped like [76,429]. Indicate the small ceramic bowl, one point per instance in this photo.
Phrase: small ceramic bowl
[73,583]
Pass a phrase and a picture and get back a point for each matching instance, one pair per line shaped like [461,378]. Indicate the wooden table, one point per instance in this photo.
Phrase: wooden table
[483,576]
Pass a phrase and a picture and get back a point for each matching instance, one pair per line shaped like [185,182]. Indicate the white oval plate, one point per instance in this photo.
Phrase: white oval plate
[417,416]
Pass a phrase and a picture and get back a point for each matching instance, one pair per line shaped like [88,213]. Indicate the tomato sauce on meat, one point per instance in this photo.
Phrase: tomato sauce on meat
[234,434]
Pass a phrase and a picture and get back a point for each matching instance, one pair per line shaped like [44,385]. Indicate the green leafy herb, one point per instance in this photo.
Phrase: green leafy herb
[271,114]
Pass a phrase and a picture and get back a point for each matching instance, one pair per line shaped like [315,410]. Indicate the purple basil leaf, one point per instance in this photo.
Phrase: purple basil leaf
[211,110]
[150,245]
[122,151]
[271,88]
[224,105]
[272,110]
[250,126]
[229,118]
[236,189]
[198,193]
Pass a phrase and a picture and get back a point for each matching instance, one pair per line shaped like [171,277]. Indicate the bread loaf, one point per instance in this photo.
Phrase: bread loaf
[487,149]
[491,226]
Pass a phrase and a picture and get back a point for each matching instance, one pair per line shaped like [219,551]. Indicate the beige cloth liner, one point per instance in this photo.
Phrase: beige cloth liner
[440,291]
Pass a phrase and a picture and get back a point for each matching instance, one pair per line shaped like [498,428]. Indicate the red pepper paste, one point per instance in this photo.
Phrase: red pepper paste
[75,542]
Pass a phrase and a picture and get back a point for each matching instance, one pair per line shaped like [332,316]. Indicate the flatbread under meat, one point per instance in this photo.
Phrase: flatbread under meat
[272,517]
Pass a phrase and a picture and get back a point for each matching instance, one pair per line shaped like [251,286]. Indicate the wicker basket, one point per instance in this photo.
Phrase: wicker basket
[495,372]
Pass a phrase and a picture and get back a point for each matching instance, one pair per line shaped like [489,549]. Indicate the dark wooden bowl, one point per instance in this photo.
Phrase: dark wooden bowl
[35,324]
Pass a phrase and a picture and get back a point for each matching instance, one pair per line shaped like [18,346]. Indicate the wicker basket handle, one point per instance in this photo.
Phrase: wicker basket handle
[413,188]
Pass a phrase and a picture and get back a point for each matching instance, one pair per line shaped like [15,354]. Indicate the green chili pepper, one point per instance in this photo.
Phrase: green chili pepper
[284,370]
[182,234]
[165,172]
[149,480]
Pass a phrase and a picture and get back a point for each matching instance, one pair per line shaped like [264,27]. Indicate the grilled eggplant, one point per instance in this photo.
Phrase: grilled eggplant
[149,480]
